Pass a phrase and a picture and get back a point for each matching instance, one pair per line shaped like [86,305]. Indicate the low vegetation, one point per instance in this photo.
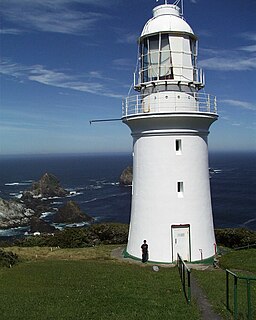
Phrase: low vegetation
[235,237]
[105,233]
[8,258]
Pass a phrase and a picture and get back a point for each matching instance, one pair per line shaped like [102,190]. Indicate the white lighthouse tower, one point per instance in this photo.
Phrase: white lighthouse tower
[169,121]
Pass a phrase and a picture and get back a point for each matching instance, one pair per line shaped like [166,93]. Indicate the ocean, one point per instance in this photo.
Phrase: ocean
[93,181]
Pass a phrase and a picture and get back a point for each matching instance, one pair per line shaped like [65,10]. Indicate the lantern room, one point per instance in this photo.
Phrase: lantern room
[168,50]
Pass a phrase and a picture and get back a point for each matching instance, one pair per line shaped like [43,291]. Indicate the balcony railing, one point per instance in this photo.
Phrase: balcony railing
[161,103]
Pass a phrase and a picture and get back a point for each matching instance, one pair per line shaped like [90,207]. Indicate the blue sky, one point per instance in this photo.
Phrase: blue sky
[65,62]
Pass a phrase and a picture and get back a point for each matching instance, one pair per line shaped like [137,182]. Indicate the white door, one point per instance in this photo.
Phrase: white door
[180,243]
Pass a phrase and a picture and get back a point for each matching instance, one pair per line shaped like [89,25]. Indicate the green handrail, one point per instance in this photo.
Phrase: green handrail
[248,285]
[184,272]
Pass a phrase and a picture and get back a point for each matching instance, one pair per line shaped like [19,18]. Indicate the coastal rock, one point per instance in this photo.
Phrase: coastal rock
[14,214]
[71,213]
[47,187]
[126,177]
[35,204]
[38,225]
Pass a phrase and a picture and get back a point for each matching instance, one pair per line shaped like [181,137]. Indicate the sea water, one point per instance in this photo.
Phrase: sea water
[93,182]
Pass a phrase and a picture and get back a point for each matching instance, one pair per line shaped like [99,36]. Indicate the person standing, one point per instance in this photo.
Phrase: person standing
[144,248]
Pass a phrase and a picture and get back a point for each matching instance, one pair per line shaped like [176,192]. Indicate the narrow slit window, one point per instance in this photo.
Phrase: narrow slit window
[180,189]
[178,146]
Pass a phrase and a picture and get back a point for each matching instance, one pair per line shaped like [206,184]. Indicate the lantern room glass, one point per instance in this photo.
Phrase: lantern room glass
[156,60]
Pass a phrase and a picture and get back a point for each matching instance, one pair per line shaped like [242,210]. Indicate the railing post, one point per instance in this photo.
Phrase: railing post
[249,299]
[235,297]
[189,289]
[208,103]
[126,106]
[183,278]
[215,104]
[227,289]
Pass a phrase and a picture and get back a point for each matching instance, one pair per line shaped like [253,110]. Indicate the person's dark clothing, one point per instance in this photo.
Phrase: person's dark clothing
[144,249]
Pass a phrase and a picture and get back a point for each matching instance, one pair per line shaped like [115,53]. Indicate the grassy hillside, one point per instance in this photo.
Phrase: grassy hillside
[49,288]
[86,283]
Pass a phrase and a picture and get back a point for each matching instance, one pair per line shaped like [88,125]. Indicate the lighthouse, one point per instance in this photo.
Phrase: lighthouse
[169,119]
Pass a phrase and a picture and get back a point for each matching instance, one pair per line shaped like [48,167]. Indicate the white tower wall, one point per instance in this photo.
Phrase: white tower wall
[156,203]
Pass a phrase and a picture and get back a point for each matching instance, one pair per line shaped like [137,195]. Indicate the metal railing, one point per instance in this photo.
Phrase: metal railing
[184,272]
[158,103]
[248,281]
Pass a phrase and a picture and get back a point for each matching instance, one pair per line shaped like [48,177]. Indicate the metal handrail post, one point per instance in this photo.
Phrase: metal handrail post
[126,107]
[249,298]
[227,289]
[189,289]
[235,297]
[183,278]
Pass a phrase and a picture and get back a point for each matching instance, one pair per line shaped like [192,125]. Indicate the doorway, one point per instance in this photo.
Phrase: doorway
[180,235]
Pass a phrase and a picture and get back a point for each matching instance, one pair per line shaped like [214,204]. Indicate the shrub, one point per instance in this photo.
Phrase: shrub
[110,233]
[8,258]
[235,238]
[106,233]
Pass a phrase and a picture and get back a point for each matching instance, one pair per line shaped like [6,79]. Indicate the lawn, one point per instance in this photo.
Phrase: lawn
[101,252]
[214,282]
[90,289]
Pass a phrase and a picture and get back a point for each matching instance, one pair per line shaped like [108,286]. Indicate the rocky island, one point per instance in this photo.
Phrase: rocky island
[71,213]
[126,177]
[47,187]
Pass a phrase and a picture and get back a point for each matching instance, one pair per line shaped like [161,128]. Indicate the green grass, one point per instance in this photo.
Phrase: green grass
[86,283]
[101,252]
[58,289]
[244,260]
[213,282]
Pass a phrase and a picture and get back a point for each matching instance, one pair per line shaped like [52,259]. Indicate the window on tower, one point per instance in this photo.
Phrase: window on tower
[180,189]
[178,146]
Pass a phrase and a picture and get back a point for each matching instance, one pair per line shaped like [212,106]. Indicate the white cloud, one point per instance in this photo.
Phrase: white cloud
[251,48]
[40,74]
[122,64]
[229,63]
[248,35]
[129,38]
[240,104]
[239,59]
[10,31]
[59,16]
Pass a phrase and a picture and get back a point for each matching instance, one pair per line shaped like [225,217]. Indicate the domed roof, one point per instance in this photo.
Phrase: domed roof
[166,18]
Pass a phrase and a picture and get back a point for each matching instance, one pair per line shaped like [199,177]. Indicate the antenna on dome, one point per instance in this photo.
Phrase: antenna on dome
[177,2]
[165,1]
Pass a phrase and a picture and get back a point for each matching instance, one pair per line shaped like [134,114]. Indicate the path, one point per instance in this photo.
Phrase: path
[203,303]
[197,293]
